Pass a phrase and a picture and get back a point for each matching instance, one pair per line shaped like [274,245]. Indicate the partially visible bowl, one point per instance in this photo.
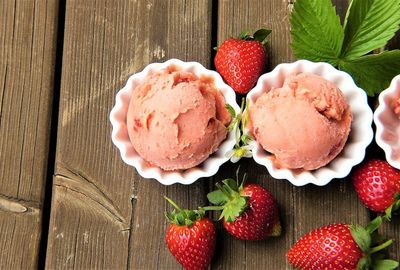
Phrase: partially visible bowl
[361,133]
[121,139]
[388,123]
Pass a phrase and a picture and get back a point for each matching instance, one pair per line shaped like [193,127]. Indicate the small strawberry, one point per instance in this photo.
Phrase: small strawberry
[340,246]
[241,61]
[249,211]
[191,237]
[378,186]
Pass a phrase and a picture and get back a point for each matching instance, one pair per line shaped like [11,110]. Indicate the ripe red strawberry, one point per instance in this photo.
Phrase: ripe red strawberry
[378,186]
[241,61]
[339,246]
[191,237]
[249,211]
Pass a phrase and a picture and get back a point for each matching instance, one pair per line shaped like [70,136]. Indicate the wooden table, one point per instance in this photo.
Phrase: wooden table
[66,198]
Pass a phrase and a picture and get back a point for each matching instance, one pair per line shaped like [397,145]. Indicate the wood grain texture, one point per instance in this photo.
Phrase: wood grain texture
[27,59]
[103,214]
[302,208]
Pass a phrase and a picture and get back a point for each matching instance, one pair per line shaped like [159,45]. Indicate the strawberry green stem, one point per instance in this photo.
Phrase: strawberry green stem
[173,204]
[380,247]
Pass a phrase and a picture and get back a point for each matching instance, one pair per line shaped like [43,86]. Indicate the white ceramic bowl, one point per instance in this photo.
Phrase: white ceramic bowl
[361,133]
[121,139]
[388,124]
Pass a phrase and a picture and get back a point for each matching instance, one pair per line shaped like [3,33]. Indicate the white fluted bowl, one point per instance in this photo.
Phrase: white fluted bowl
[121,139]
[360,136]
[388,124]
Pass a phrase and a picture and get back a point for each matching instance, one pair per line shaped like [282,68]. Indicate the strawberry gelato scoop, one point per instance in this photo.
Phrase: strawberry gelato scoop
[396,107]
[305,124]
[176,120]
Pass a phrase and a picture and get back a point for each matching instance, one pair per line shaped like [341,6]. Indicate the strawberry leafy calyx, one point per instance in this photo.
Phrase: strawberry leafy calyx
[259,35]
[371,244]
[394,207]
[183,217]
[229,198]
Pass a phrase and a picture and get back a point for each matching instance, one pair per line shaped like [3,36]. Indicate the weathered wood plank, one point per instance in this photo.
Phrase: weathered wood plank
[27,58]
[188,37]
[302,208]
[103,214]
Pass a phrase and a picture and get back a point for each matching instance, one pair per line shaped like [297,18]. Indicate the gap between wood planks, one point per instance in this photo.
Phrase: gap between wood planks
[53,135]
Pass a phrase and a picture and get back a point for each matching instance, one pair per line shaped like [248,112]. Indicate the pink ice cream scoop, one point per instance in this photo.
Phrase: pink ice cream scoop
[396,107]
[176,120]
[305,124]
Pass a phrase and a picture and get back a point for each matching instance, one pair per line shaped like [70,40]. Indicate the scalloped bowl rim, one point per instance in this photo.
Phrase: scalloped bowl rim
[208,168]
[380,127]
[341,166]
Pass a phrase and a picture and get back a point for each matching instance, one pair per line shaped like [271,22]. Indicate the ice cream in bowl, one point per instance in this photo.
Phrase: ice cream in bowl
[170,122]
[387,121]
[310,122]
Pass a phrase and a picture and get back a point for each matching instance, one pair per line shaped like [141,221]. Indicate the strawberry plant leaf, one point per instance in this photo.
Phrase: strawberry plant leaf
[217,197]
[361,237]
[363,263]
[261,35]
[388,212]
[385,265]
[369,25]
[234,208]
[231,184]
[373,73]
[316,32]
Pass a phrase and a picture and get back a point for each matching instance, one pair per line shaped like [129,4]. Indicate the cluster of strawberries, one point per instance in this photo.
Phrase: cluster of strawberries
[250,212]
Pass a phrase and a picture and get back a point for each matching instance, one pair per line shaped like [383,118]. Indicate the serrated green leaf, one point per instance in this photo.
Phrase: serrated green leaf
[373,73]
[234,208]
[369,25]
[361,237]
[385,265]
[217,197]
[316,31]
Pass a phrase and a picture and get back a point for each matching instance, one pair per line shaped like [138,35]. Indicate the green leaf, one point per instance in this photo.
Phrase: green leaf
[317,34]
[388,212]
[396,204]
[363,263]
[234,208]
[373,73]
[231,110]
[231,184]
[361,237]
[369,25]
[261,35]
[385,265]
[217,197]
[245,34]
